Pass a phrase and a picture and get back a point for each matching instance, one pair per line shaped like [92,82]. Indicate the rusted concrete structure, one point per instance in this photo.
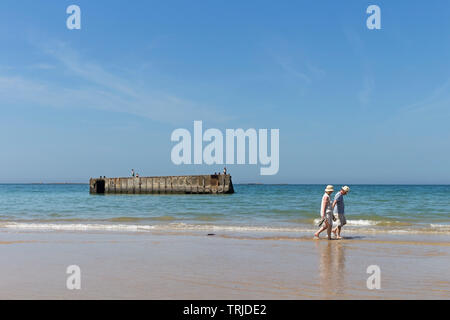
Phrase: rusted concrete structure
[204,184]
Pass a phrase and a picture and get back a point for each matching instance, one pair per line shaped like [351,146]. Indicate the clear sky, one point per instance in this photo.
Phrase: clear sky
[353,105]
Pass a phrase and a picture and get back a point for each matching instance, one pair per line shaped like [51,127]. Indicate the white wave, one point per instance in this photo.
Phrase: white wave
[401,231]
[76,227]
[135,228]
[363,227]
[362,222]
[440,226]
[356,222]
[206,227]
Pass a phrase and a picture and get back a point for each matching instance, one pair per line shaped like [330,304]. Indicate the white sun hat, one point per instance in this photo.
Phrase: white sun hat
[346,188]
[329,188]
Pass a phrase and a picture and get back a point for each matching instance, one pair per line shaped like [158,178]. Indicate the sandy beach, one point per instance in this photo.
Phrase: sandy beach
[193,150]
[154,265]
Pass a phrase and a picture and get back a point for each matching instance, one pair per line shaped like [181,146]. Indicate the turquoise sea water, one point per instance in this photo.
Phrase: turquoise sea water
[262,208]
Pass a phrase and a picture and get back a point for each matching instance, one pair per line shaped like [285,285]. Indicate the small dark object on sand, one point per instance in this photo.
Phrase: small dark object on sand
[211,234]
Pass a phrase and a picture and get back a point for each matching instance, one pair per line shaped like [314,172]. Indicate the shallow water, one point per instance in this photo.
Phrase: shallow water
[258,208]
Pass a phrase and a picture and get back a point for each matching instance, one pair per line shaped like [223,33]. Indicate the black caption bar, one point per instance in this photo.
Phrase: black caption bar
[212,309]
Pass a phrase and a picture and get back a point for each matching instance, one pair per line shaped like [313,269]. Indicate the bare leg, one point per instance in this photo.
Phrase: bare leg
[329,231]
[324,226]
[335,228]
[316,235]
[338,235]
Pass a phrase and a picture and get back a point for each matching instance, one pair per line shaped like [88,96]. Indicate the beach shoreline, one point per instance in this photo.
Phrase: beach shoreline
[193,265]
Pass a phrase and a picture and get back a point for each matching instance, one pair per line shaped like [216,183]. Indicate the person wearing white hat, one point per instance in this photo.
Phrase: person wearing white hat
[326,213]
[338,209]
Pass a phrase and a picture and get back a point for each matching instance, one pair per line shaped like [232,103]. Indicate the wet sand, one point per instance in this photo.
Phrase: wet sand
[196,266]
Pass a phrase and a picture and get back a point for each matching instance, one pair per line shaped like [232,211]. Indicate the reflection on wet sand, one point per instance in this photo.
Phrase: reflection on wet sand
[331,268]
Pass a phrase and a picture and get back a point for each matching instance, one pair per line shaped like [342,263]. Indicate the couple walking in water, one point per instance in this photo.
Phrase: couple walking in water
[330,212]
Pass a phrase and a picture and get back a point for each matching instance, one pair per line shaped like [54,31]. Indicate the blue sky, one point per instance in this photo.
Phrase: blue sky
[353,105]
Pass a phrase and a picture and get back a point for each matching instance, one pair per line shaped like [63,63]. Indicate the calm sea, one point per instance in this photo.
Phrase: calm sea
[259,208]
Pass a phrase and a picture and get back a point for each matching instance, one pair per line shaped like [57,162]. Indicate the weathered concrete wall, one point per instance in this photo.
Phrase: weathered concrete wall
[163,185]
